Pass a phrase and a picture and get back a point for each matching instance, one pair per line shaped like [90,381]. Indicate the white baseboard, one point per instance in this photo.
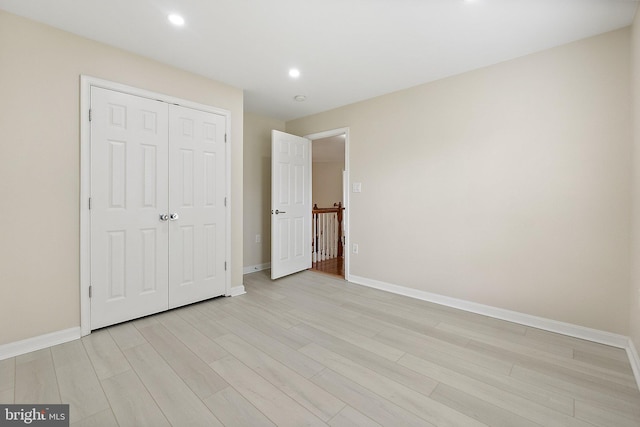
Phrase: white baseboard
[59,337]
[576,331]
[38,343]
[634,359]
[236,290]
[569,329]
[256,268]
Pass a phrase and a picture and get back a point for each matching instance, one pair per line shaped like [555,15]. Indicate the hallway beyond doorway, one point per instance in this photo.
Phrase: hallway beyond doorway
[334,266]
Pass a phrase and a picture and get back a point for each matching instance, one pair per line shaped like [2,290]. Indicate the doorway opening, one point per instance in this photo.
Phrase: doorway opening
[329,197]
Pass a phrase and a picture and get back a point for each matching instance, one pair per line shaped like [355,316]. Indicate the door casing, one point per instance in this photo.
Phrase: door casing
[86,82]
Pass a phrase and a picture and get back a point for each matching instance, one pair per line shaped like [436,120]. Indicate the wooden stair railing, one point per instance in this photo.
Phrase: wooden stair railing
[327,232]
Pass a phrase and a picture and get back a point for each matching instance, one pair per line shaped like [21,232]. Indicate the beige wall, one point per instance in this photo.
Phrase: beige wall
[326,183]
[634,297]
[257,187]
[40,164]
[507,186]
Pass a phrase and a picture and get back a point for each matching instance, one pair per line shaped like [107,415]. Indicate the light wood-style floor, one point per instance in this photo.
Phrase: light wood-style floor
[314,350]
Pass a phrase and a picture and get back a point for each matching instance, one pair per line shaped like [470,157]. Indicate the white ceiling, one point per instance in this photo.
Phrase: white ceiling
[347,50]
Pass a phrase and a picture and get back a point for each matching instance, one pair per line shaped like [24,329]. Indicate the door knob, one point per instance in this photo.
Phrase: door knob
[164,217]
[173,216]
[279,212]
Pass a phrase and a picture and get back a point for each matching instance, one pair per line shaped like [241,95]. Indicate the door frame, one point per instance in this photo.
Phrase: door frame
[345,185]
[86,83]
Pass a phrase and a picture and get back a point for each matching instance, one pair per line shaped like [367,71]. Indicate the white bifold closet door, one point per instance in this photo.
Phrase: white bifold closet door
[157,206]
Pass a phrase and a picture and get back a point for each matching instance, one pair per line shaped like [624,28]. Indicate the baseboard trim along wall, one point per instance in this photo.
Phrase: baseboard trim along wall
[60,337]
[256,268]
[635,360]
[38,343]
[576,331]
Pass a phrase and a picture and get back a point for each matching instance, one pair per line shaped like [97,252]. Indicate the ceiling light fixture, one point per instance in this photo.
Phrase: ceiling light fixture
[300,98]
[294,72]
[176,20]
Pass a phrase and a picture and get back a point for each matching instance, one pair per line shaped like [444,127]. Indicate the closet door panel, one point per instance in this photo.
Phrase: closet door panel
[129,179]
[197,151]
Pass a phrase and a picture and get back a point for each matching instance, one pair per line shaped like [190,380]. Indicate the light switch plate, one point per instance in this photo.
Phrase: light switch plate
[357,187]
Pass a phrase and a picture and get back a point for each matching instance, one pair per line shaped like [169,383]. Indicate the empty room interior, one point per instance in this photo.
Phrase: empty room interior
[342,213]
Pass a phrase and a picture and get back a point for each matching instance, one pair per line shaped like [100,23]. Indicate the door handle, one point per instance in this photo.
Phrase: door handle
[164,217]
[279,212]
[173,216]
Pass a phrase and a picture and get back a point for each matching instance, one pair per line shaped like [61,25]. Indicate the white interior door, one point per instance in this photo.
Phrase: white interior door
[197,159]
[129,241]
[290,204]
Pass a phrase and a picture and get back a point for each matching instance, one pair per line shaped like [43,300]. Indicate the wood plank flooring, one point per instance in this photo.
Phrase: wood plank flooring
[333,266]
[313,350]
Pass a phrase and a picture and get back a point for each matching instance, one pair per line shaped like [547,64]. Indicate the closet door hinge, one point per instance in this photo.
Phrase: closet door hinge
[89,203]
[225,266]
[89,114]
[90,291]
[225,137]
[225,201]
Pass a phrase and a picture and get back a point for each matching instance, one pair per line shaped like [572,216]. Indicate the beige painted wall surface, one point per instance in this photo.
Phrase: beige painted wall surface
[634,297]
[510,184]
[257,187]
[40,164]
[326,183]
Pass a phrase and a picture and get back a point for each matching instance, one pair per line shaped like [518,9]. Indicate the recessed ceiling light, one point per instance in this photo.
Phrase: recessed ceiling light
[176,20]
[300,98]
[294,72]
